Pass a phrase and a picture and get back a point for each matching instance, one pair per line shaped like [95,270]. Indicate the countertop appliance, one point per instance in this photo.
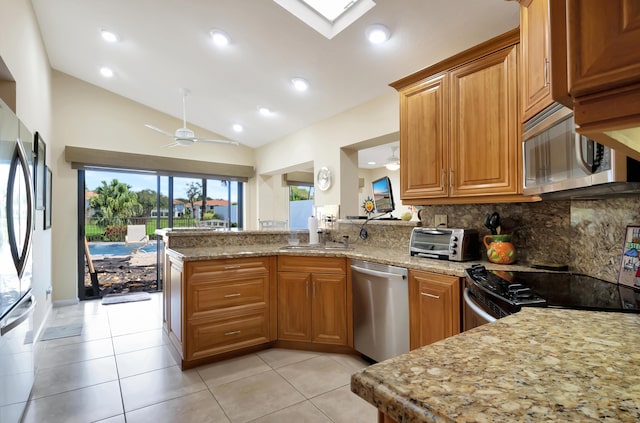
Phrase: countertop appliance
[16,301]
[559,163]
[492,294]
[445,243]
[380,310]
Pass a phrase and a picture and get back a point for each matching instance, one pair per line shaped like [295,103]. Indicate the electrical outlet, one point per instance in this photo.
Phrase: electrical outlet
[441,220]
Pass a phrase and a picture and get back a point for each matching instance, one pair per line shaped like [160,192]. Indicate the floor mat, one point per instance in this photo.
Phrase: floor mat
[125,298]
[55,332]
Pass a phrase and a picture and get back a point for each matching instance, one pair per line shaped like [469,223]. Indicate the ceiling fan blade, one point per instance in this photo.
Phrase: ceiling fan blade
[229,142]
[162,131]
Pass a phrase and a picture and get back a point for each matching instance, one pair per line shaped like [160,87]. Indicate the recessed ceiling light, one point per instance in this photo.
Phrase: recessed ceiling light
[108,36]
[106,72]
[300,84]
[238,128]
[265,111]
[220,38]
[371,163]
[377,33]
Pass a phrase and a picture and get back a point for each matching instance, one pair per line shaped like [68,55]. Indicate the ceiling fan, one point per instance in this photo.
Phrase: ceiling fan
[184,137]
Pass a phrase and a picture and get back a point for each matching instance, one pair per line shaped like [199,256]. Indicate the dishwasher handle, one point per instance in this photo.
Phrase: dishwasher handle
[376,273]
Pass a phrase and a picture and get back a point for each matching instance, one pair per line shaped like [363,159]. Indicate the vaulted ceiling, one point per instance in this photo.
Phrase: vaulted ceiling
[165,46]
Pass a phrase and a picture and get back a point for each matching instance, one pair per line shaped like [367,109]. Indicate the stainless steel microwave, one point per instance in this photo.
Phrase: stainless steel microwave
[560,163]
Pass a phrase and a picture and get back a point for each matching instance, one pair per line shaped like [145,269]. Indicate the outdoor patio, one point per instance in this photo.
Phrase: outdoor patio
[121,274]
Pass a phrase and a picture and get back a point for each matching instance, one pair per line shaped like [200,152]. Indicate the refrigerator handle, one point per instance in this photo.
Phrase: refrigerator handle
[20,252]
[17,321]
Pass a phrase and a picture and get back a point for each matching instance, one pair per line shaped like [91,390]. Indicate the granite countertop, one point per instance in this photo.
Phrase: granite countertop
[395,257]
[536,365]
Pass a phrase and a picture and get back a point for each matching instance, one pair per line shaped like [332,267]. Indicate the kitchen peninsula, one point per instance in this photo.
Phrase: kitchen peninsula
[539,364]
[536,365]
[227,293]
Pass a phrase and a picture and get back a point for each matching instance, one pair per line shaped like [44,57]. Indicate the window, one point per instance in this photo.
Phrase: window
[301,199]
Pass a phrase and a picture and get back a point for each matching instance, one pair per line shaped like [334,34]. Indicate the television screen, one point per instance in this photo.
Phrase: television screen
[382,195]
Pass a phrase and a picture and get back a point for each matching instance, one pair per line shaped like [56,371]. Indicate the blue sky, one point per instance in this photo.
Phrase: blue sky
[139,182]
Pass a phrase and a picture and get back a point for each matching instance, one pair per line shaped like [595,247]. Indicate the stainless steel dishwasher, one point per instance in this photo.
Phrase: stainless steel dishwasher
[380,309]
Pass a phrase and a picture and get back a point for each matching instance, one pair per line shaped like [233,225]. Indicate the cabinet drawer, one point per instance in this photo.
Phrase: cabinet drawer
[223,268]
[207,337]
[207,297]
[312,264]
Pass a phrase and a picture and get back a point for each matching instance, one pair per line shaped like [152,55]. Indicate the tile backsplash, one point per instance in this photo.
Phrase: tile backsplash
[586,235]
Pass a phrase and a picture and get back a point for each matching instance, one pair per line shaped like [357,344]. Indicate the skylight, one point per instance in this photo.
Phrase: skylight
[328,17]
[330,9]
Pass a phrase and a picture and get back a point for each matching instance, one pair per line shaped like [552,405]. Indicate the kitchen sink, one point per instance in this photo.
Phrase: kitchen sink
[309,247]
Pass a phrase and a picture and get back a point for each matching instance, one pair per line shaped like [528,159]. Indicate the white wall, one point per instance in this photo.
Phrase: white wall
[88,116]
[22,50]
[322,143]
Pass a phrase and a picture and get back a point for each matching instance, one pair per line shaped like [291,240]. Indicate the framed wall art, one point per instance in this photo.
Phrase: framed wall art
[47,195]
[39,176]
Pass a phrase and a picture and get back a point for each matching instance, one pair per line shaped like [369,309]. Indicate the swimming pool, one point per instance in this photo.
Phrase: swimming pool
[119,248]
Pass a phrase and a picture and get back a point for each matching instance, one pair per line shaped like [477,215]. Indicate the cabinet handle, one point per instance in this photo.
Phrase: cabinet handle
[306,288]
[232,295]
[426,294]
[546,72]
[233,332]
[314,289]
[232,266]
[451,177]
[442,176]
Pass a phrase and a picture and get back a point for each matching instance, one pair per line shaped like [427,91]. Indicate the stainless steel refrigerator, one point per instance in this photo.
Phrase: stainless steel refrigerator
[16,301]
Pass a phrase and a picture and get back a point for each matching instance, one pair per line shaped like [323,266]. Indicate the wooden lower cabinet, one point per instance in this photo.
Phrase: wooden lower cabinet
[211,336]
[434,307]
[312,306]
[218,306]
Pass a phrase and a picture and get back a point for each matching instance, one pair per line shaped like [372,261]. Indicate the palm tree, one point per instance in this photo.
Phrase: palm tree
[114,204]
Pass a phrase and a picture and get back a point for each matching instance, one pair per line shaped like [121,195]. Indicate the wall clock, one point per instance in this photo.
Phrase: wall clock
[324,179]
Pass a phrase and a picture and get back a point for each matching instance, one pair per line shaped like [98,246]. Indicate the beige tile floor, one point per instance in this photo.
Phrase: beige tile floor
[119,370]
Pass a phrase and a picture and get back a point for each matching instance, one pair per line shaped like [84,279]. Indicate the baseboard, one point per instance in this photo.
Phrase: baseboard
[67,302]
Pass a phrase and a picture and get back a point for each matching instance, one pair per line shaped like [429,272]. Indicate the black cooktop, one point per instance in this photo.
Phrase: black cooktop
[512,290]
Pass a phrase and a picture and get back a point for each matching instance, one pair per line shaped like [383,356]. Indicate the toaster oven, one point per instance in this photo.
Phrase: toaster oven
[445,243]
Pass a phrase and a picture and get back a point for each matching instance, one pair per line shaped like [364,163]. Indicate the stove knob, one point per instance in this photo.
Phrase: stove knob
[454,238]
[453,245]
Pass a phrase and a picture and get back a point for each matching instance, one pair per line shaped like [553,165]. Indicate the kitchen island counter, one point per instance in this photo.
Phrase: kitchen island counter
[536,365]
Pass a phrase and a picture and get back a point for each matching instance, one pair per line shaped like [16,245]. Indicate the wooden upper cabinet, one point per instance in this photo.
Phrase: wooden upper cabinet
[604,71]
[424,139]
[460,138]
[485,126]
[535,42]
[604,40]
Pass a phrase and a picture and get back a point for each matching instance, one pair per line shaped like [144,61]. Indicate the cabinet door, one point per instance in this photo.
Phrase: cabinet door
[329,309]
[424,140]
[603,45]
[485,136]
[535,43]
[294,306]
[434,307]
[175,302]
